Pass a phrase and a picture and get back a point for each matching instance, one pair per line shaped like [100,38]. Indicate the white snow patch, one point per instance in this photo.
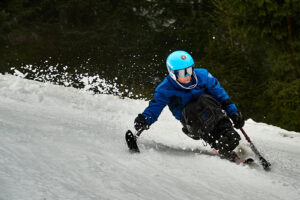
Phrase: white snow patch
[64,143]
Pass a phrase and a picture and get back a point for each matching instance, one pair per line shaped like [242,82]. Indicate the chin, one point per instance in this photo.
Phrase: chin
[187,81]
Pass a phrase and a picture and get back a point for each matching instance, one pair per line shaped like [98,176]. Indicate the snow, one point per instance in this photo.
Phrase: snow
[63,143]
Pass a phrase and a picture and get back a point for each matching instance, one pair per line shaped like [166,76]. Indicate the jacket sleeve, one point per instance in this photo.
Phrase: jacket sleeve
[156,105]
[218,92]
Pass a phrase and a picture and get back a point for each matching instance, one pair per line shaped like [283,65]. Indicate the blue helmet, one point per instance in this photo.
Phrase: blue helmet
[180,60]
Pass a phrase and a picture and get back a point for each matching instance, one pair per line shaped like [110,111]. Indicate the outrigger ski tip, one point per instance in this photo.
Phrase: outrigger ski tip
[266,165]
[131,142]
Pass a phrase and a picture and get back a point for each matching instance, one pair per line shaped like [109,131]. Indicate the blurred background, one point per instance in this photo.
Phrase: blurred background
[250,46]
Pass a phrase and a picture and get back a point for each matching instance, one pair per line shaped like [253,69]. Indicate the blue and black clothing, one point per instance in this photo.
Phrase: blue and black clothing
[200,110]
[171,94]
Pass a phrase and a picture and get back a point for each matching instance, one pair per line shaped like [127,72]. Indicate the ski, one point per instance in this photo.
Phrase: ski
[245,161]
[131,140]
[238,160]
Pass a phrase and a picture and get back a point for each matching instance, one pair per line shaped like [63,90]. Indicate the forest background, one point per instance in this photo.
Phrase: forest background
[251,46]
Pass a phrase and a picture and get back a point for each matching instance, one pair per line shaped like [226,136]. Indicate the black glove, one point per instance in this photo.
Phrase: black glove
[238,120]
[140,123]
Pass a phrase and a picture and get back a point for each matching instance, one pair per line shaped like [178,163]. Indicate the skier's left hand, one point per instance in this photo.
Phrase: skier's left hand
[238,120]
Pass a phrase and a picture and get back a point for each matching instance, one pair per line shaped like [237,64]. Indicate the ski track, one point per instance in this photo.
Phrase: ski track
[64,143]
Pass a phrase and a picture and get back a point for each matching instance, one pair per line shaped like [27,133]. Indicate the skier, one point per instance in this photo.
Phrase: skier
[201,104]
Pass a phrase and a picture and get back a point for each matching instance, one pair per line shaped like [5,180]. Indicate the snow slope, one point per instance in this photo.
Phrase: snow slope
[64,143]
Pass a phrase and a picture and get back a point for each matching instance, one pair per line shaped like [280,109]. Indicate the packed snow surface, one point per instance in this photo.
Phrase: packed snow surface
[64,143]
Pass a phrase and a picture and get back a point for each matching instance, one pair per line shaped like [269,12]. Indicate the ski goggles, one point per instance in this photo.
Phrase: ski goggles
[182,73]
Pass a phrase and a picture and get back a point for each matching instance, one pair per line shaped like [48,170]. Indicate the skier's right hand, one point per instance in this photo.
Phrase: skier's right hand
[140,123]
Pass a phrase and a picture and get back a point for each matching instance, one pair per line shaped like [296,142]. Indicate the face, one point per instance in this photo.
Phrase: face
[184,80]
[184,76]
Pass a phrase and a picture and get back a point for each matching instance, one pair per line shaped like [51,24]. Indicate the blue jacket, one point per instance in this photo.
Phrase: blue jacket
[170,93]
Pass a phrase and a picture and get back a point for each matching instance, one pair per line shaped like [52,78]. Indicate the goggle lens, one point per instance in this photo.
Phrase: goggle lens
[184,72]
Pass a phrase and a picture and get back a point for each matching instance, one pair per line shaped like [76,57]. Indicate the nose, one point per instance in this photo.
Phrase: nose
[188,77]
[188,74]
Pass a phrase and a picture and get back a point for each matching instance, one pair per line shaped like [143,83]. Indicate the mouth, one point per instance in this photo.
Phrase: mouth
[188,79]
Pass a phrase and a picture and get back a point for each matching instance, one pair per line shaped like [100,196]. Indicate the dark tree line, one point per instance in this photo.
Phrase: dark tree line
[251,46]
